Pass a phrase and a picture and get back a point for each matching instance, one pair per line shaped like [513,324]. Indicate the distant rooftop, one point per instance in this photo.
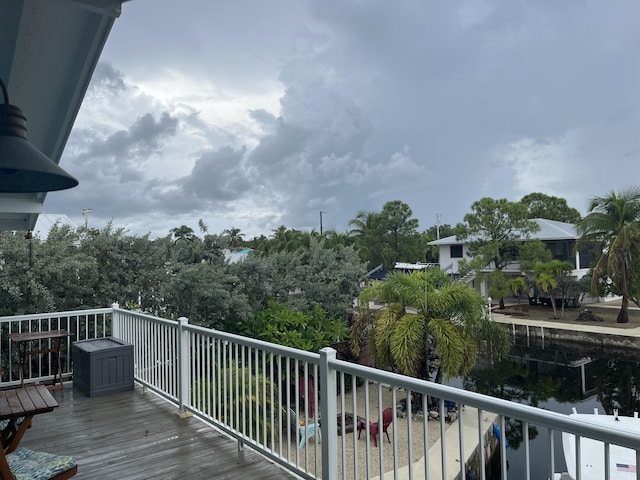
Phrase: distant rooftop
[46,221]
[238,255]
[412,266]
[549,230]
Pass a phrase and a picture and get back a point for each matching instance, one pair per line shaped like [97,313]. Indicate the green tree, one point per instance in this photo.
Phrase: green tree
[308,331]
[548,276]
[613,222]
[235,236]
[182,233]
[21,289]
[495,230]
[311,276]
[540,205]
[70,272]
[334,238]
[518,286]
[367,233]
[432,327]
[498,285]
[206,294]
[287,240]
[401,232]
[531,252]
[204,228]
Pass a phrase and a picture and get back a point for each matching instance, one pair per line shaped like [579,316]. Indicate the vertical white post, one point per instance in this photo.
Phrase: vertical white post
[115,320]
[489,302]
[328,412]
[183,366]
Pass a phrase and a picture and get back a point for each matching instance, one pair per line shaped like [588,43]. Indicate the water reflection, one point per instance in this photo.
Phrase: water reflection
[556,377]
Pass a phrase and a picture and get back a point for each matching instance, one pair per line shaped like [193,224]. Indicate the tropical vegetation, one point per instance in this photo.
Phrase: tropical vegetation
[431,327]
[495,230]
[613,224]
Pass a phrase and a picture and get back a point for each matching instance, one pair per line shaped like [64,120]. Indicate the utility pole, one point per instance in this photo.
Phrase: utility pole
[29,237]
[85,214]
[438,217]
[321,212]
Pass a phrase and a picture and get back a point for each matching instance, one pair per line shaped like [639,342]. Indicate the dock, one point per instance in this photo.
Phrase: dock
[452,449]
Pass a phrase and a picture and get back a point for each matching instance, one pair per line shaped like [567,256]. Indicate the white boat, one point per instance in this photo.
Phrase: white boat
[622,461]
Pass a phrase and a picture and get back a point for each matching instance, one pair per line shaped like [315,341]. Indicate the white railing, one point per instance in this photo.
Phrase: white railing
[270,398]
[81,325]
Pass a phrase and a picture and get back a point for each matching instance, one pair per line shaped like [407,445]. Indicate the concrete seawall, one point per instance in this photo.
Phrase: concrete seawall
[469,430]
[588,333]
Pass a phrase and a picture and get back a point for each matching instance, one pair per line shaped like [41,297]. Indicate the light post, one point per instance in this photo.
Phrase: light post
[321,212]
[489,300]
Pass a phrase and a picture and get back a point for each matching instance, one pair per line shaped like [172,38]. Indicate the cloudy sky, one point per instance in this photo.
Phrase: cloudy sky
[255,114]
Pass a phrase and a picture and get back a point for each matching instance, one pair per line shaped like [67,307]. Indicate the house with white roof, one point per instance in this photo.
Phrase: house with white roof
[559,237]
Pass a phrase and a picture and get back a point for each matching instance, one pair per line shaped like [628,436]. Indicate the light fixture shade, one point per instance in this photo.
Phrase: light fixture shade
[24,168]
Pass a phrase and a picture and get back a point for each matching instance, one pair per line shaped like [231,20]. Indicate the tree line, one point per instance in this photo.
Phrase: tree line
[610,233]
[294,279]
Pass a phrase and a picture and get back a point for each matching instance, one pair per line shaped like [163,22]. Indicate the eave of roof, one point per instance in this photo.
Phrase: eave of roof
[549,230]
[48,55]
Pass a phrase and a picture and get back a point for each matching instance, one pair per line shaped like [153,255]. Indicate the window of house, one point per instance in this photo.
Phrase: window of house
[456,251]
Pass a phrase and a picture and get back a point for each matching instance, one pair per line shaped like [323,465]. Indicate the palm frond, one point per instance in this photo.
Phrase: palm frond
[407,343]
[382,333]
[450,344]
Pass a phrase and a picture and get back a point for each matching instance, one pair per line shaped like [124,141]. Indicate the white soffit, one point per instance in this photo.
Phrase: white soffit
[48,52]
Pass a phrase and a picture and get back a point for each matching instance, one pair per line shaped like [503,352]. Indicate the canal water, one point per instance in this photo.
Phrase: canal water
[558,378]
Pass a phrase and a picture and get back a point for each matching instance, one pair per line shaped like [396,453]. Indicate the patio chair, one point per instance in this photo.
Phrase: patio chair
[25,464]
[292,421]
[307,392]
[307,431]
[374,427]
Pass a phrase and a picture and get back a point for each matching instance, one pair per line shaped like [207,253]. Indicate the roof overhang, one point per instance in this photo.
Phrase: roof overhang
[48,52]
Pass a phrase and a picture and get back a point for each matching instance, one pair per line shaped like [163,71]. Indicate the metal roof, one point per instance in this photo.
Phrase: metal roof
[48,52]
[549,230]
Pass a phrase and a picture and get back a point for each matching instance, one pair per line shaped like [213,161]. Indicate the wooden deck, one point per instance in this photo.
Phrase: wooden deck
[133,435]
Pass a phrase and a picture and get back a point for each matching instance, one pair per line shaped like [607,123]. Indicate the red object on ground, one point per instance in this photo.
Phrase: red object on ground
[374,427]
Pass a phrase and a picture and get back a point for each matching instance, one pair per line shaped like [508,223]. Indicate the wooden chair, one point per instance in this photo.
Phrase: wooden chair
[25,464]
[374,427]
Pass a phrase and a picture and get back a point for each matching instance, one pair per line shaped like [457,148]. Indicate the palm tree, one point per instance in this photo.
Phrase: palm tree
[204,228]
[613,223]
[285,240]
[548,276]
[367,235]
[518,285]
[431,325]
[235,236]
[333,238]
[182,233]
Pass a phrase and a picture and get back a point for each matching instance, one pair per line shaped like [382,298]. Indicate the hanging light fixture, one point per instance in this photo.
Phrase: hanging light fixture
[24,168]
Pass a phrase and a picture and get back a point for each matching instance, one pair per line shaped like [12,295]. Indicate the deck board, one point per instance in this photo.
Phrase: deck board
[137,436]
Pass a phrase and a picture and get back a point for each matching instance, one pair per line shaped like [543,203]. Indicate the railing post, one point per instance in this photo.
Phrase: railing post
[328,411]
[183,367]
[115,320]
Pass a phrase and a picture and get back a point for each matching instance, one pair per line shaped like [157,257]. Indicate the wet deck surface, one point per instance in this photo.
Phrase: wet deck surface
[132,435]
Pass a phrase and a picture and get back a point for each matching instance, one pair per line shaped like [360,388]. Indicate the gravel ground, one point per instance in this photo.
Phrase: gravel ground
[398,434]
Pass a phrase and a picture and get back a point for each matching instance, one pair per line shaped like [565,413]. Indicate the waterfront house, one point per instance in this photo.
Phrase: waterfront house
[559,237]
[225,383]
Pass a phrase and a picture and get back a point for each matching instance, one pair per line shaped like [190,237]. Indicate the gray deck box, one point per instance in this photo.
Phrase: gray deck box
[102,366]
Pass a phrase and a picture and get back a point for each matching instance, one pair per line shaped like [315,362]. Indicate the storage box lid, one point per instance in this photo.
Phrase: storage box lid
[96,344]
